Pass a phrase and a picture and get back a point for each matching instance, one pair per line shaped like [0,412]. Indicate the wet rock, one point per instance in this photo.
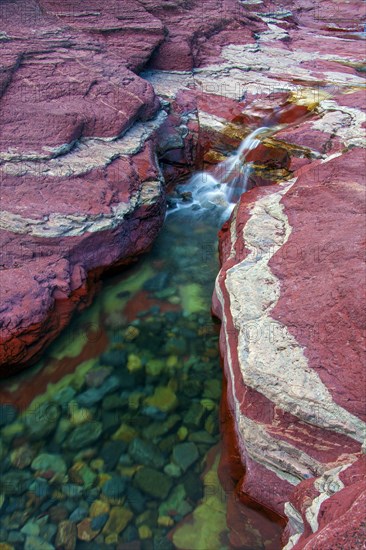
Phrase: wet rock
[49,462]
[212,389]
[163,399]
[30,528]
[192,388]
[113,402]
[78,514]
[66,535]
[172,470]
[118,520]
[64,396]
[81,473]
[98,522]
[158,282]
[14,537]
[136,499]
[42,420]
[162,543]
[58,513]
[15,483]
[84,530]
[93,395]
[115,487]
[36,543]
[125,433]
[95,377]
[194,417]
[184,455]
[176,346]
[130,534]
[98,507]
[193,486]
[40,488]
[153,482]
[115,358]
[111,452]
[22,456]
[110,421]
[202,437]
[146,453]
[134,363]
[8,414]
[48,532]
[154,367]
[84,435]
[71,490]
[145,532]
[176,503]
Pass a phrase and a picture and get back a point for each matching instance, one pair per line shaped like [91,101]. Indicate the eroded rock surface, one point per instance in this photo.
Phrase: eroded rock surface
[289,291]
[91,97]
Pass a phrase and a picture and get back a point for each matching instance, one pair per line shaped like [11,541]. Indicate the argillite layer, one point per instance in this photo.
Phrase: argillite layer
[102,102]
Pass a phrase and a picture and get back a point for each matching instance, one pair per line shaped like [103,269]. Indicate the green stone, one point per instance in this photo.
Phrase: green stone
[194,416]
[176,503]
[153,482]
[212,389]
[84,435]
[185,454]
[163,399]
[154,367]
[118,520]
[45,461]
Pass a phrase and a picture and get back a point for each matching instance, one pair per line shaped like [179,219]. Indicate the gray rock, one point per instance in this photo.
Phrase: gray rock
[45,461]
[64,396]
[111,453]
[36,543]
[136,500]
[146,453]
[42,420]
[14,537]
[8,414]
[99,522]
[72,490]
[79,514]
[176,503]
[84,435]
[185,454]
[114,487]
[30,528]
[15,483]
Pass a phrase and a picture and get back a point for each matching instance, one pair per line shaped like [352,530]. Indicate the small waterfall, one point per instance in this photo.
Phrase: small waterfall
[221,189]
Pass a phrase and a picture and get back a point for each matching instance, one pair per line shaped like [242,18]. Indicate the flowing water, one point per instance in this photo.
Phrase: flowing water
[121,451]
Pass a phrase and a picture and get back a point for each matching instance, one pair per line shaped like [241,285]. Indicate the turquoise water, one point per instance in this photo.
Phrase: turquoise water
[122,450]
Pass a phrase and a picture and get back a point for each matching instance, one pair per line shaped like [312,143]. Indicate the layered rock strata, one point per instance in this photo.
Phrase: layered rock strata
[81,189]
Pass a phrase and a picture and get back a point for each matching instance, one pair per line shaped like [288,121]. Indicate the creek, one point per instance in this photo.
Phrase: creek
[124,447]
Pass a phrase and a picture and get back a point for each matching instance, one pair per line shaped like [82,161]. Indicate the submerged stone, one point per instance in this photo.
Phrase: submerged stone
[84,435]
[114,488]
[144,452]
[185,454]
[45,462]
[153,482]
[8,414]
[118,520]
[66,535]
[163,399]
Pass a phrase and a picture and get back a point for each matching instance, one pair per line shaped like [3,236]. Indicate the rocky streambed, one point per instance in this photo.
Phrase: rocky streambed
[104,109]
[123,451]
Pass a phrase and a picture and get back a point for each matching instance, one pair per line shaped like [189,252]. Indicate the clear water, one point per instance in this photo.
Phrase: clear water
[76,465]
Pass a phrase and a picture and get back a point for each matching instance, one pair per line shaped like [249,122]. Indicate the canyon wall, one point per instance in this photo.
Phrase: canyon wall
[99,105]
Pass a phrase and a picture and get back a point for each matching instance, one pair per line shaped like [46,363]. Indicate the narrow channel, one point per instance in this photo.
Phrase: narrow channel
[123,450]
